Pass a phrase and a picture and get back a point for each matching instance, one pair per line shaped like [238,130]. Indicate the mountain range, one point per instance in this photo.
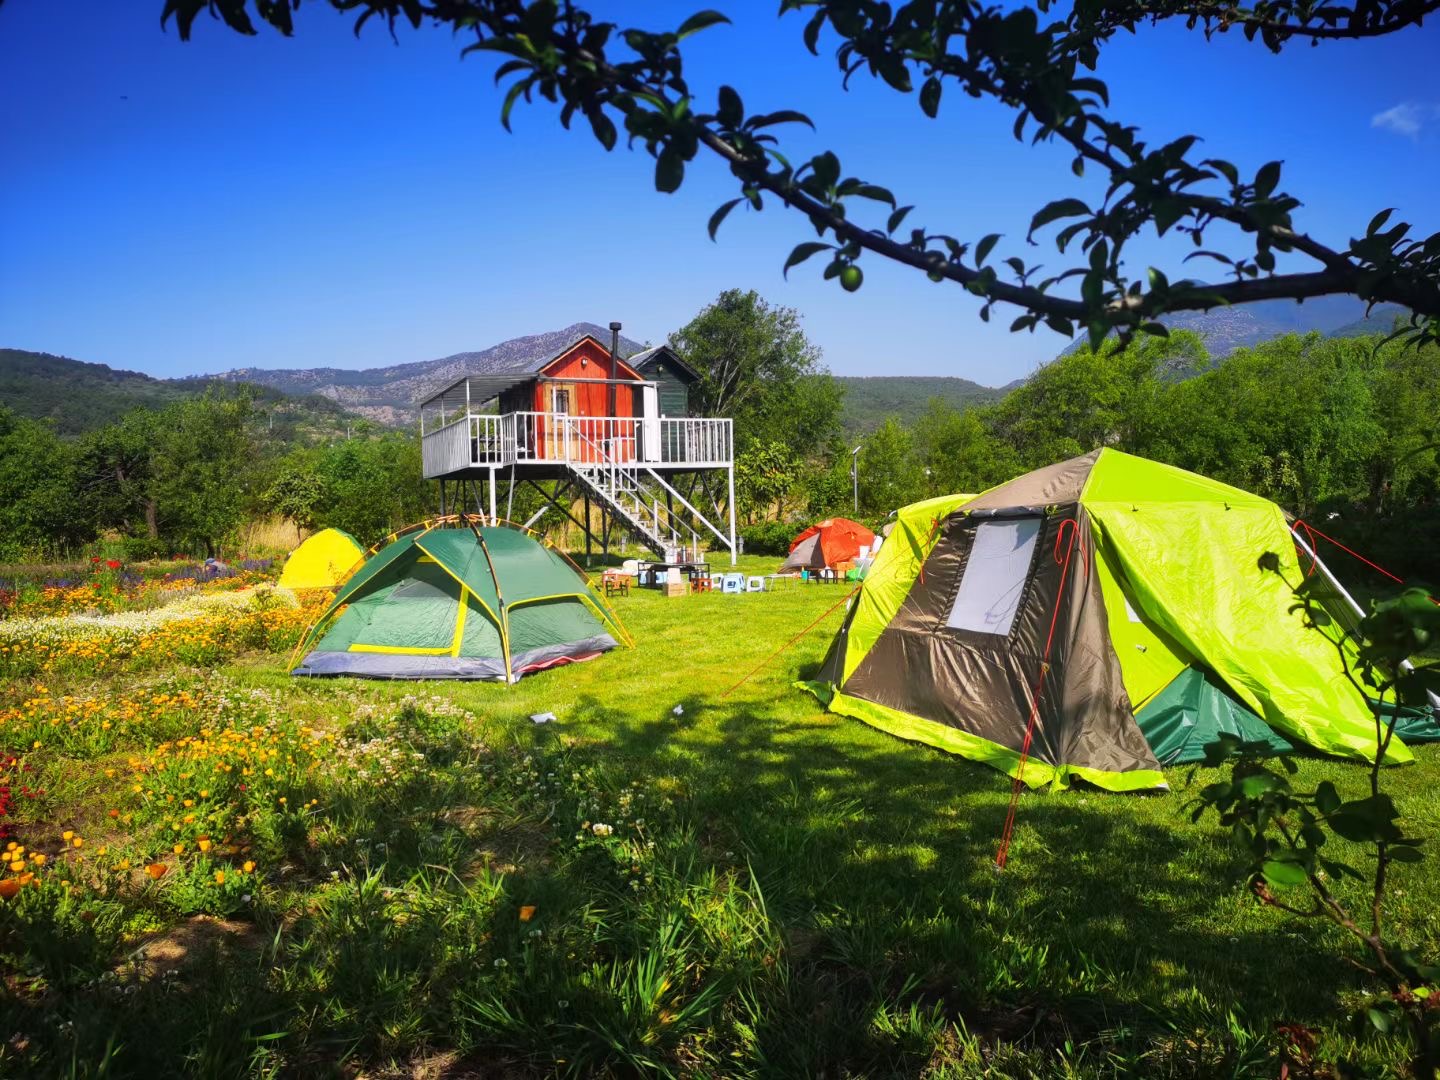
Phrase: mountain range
[389,394]
[77,396]
[1226,329]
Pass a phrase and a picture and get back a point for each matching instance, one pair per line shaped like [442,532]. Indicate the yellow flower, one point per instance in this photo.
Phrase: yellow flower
[38,860]
[219,877]
[203,844]
[179,849]
[249,866]
[66,835]
[124,864]
[17,865]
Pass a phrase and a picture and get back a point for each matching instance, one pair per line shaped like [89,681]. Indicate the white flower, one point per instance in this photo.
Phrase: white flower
[601,829]
[501,962]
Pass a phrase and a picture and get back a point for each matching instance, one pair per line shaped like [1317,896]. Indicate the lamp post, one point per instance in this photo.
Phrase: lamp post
[855,476]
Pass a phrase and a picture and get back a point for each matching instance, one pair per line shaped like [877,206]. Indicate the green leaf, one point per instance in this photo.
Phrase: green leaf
[1327,799]
[930,97]
[1060,208]
[874,191]
[732,110]
[1378,221]
[521,87]
[669,170]
[784,116]
[803,252]
[826,167]
[896,218]
[701,20]
[893,70]
[1283,873]
[720,215]
[1406,853]
[1379,1020]
[983,248]
[1266,179]
[603,127]
[1166,212]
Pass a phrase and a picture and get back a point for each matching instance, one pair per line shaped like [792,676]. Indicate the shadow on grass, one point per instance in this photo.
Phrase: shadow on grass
[877,857]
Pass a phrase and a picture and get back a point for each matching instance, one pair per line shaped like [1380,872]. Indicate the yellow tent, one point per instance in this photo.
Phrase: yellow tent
[322,561]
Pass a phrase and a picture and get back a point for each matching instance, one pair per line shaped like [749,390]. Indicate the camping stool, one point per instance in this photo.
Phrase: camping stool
[614,583]
[755,584]
[827,576]
[700,583]
[734,583]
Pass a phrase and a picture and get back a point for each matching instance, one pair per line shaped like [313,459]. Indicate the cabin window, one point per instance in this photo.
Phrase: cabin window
[994,580]
[560,400]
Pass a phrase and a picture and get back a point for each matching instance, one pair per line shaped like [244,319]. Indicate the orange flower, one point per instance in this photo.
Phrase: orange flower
[527,912]
[157,870]
[219,877]
[8,888]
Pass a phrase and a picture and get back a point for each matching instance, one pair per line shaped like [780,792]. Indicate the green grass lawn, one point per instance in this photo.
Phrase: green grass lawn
[784,892]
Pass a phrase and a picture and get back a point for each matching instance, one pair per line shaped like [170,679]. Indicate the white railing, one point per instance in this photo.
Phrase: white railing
[481,440]
[447,449]
[695,442]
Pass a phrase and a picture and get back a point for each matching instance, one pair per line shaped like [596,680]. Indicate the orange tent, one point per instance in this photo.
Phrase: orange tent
[830,543]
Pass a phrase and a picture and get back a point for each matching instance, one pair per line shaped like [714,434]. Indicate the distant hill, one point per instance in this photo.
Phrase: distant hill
[73,395]
[76,397]
[870,399]
[389,394]
[1226,329]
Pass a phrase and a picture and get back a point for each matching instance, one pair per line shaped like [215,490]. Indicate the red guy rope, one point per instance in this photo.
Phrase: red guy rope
[792,641]
[1068,537]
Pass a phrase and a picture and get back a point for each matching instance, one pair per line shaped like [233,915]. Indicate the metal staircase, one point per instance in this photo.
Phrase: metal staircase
[644,500]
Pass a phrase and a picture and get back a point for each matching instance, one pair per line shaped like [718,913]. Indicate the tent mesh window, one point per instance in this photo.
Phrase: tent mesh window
[992,585]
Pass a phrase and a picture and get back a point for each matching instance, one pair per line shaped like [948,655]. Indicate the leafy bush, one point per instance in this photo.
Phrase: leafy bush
[769,537]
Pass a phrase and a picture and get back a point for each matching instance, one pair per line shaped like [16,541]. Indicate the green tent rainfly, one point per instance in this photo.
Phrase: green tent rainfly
[459,603]
[1162,629]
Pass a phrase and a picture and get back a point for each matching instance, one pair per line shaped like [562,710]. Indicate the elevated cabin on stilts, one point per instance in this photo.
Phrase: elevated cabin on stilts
[613,433]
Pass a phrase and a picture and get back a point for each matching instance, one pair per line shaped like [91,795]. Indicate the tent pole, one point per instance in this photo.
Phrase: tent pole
[1330,579]
[492,495]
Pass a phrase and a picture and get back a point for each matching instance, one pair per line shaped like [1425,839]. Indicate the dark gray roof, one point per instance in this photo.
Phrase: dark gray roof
[641,360]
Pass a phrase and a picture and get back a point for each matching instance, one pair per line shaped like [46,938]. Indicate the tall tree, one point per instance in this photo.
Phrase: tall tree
[41,513]
[890,476]
[757,366]
[204,475]
[1039,62]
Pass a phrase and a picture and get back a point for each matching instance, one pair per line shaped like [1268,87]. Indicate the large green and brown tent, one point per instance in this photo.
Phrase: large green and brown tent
[446,602]
[1118,601]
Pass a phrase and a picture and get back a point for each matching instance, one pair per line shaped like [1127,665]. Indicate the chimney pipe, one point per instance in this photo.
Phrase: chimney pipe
[614,362]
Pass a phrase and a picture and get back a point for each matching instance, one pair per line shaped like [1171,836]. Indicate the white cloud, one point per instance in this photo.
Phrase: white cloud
[1406,119]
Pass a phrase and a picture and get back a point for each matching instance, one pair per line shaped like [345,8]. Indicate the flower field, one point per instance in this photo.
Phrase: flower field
[213,869]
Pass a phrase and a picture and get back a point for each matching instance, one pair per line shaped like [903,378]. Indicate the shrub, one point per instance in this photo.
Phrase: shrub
[769,538]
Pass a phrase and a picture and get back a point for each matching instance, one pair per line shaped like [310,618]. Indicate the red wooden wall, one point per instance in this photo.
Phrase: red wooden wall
[588,359]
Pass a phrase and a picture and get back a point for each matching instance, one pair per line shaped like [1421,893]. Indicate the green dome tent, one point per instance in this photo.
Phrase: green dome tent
[1121,602]
[447,602]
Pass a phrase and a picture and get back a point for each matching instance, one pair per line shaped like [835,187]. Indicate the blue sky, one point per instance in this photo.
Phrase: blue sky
[182,208]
